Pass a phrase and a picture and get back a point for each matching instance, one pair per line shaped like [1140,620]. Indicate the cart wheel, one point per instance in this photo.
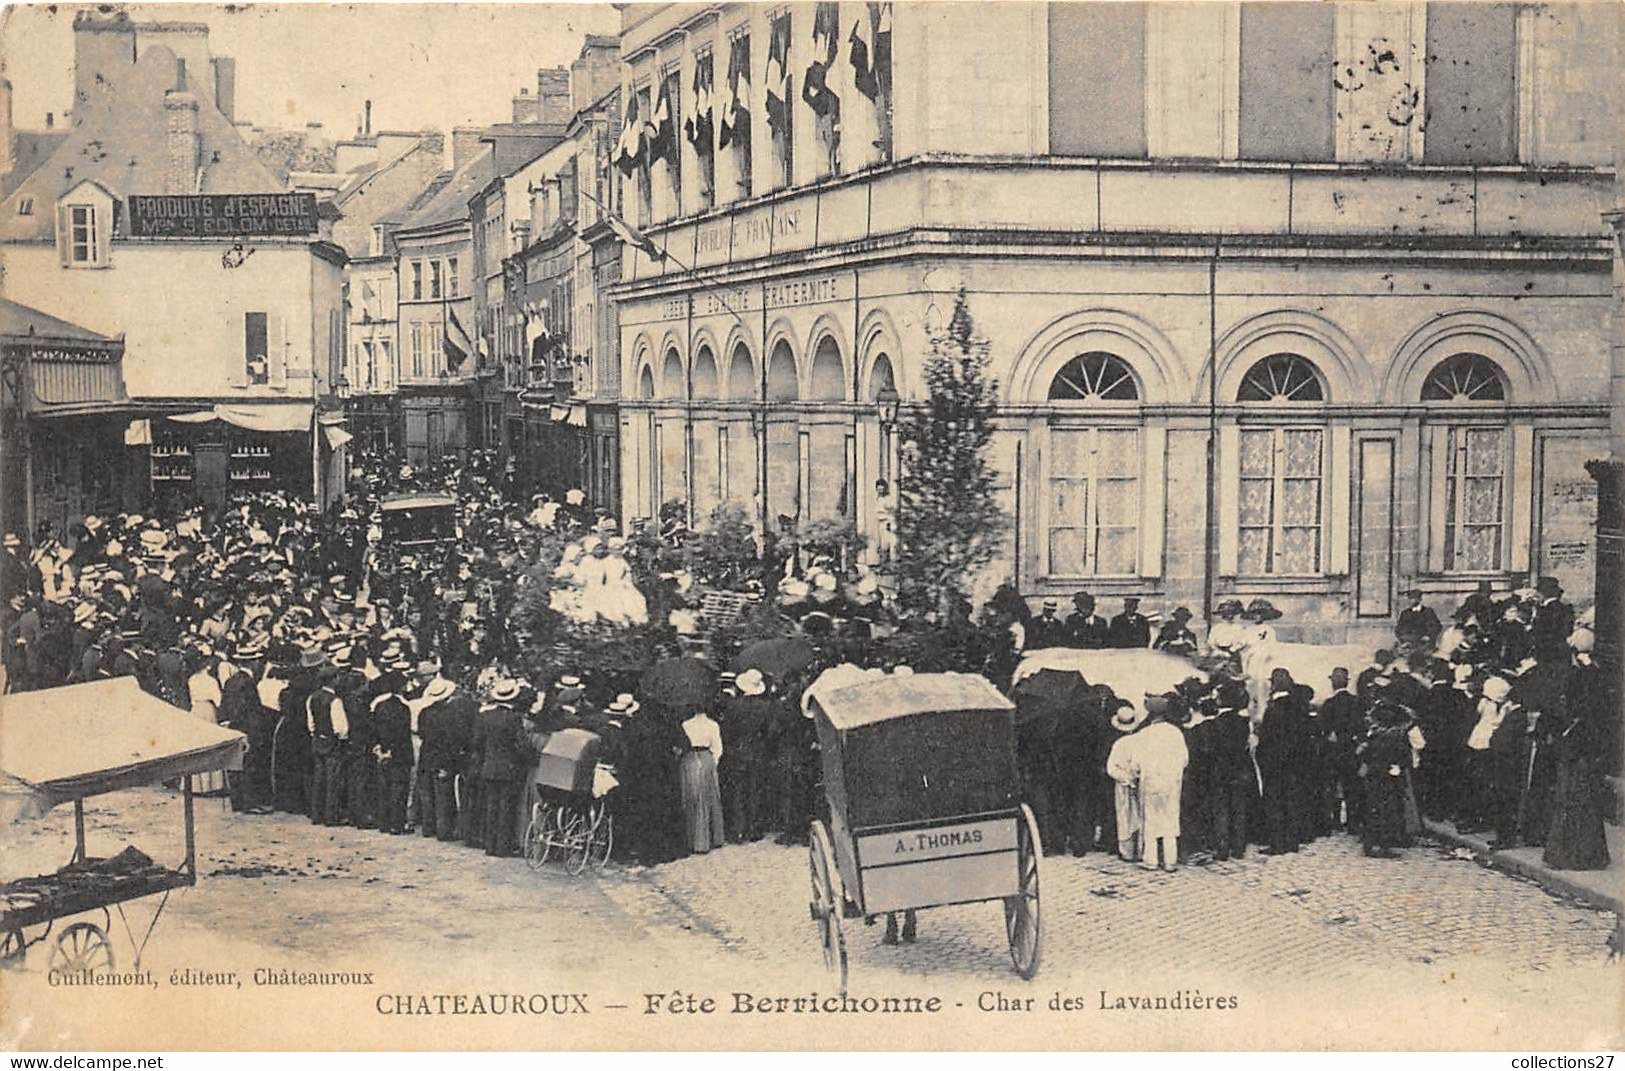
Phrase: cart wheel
[535,840]
[603,838]
[1021,918]
[12,949]
[825,905]
[82,946]
[577,835]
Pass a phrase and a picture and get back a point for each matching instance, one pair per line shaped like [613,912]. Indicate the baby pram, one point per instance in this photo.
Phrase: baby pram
[571,812]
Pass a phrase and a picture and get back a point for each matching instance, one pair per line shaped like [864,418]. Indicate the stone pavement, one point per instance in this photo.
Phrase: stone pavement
[1323,915]
[1599,888]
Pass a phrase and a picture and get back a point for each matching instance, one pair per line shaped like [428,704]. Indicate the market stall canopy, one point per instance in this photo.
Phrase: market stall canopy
[63,744]
[270,417]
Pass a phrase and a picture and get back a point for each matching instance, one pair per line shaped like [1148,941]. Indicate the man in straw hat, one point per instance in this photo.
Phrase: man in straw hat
[506,756]
[746,718]
[1122,768]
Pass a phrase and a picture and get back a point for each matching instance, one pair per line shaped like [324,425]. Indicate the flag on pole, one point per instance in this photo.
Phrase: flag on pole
[663,135]
[698,126]
[735,118]
[815,89]
[629,146]
[635,238]
[777,74]
[862,52]
[458,344]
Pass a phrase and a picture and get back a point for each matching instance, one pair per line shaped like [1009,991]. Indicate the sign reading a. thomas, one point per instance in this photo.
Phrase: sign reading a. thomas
[222,215]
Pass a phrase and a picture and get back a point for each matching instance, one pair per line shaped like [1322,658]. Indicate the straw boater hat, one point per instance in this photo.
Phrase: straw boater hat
[751,682]
[83,612]
[505,691]
[625,705]
[438,689]
[1127,718]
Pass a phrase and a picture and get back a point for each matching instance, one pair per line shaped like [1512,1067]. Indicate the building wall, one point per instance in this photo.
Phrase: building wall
[182,312]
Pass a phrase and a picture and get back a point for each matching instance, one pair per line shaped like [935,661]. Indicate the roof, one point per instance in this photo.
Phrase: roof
[29,149]
[82,740]
[122,144]
[21,320]
[449,203]
[888,698]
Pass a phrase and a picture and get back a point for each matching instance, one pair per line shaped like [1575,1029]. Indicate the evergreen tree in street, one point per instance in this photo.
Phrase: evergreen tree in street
[949,523]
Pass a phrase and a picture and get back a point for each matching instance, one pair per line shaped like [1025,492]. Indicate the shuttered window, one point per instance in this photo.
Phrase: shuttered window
[1471,97]
[256,348]
[1287,56]
[1097,79]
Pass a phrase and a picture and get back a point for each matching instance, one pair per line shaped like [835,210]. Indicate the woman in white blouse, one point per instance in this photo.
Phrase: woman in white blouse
[697,776]
[203,687]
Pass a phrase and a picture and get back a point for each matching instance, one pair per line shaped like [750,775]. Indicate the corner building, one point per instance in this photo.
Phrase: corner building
[1358,248]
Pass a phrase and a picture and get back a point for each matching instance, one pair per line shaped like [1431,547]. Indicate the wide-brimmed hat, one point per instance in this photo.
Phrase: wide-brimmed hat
[83,612]
[250,650]
[1127,718]
[751,682]
[1229,606]
[313,658]
[506,690]
[438,689]
[1261,610]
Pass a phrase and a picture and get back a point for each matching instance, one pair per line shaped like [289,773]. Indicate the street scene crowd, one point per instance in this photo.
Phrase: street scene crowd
[411,686]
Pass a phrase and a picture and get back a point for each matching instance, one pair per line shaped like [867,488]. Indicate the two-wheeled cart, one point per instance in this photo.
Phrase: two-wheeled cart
[925,808]
[65,745]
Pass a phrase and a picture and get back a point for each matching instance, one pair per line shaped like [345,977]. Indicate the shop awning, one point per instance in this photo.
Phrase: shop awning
[253,417]
[335,435]
[578,416]
[138,433]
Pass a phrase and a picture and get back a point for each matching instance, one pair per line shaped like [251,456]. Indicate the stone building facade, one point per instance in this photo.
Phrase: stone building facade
[1353,253]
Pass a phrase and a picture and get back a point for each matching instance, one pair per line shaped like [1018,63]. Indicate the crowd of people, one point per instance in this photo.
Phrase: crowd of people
[413,686]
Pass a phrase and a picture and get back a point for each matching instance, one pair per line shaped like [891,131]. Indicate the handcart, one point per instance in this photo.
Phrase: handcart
[68,744]
[924,802]
[571,814]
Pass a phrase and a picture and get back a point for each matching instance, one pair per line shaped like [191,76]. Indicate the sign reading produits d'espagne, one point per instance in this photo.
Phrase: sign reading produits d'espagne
[222,215]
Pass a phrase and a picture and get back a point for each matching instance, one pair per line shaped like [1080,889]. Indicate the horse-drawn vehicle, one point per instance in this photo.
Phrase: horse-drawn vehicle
[417,518]
[925,808]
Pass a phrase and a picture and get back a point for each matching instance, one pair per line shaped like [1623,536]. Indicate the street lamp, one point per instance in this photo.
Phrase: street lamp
[887,403]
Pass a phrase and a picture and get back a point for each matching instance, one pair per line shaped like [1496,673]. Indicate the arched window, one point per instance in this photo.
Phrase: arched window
[1282,377]
[1470,465]
[1094,377]
[1465,377]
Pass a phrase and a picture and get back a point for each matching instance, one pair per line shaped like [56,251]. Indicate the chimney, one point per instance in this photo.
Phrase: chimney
[465,144]
[225,86]
[553,95]
[103,52]
[595,72]
[180,114]
[367,129]
[524,107]
[7,142]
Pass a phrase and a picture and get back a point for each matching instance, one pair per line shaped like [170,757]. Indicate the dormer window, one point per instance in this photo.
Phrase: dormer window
[84,227]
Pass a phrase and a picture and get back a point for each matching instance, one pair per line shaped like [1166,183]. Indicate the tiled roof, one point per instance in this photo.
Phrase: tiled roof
[29,149]
[450,202]
[122,144]
[17,320]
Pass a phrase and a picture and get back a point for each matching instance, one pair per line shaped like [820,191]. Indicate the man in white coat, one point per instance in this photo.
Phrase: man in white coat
[1150,763]
[1122,766]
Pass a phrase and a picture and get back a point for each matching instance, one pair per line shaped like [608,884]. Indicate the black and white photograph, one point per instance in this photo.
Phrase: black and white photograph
[1076,525]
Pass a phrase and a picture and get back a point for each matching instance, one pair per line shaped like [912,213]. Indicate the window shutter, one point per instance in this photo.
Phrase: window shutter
[276,339]
[1521,489]
[1153,498]
[103,220]
[1438,487]
[1339,475]
[64,234]
[1229,491]
[237,366]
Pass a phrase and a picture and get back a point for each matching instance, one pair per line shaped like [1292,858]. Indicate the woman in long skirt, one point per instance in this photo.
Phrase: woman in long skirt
[1385,756]
[1577,840]
[697,775]
[203,691]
